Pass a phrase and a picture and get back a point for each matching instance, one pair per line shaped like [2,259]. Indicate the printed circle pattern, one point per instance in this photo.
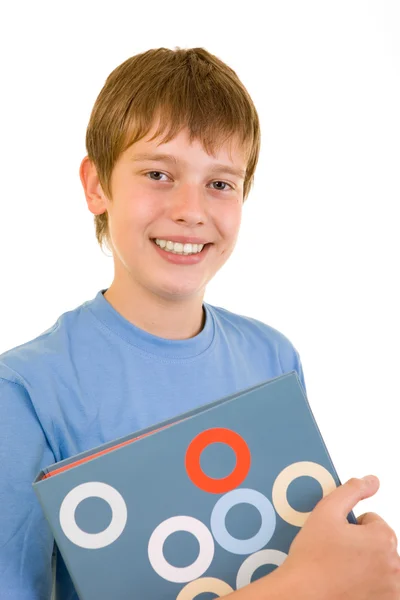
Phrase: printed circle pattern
[285,478]
[81,492]
[196,447]
[239,496]
[251,564]
[202,585]
[156,554]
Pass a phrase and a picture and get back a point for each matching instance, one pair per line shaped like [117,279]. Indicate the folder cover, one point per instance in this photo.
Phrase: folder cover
[203,503]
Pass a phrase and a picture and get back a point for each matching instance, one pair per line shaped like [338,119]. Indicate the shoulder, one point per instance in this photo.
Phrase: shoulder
[244,326]
[257,340]
[42,353]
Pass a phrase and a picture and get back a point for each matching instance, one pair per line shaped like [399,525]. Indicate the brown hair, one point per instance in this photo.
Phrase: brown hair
[189,88]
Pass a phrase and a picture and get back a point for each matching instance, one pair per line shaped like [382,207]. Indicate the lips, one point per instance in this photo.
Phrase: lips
[182,259]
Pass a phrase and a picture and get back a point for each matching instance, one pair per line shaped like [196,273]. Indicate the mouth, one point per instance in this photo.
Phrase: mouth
[179,248]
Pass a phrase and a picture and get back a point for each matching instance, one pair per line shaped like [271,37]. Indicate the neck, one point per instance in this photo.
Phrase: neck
[177,320]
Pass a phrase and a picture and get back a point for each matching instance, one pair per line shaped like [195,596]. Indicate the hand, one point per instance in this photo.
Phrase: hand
[341,560]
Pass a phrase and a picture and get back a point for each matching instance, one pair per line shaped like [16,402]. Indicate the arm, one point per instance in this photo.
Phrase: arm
[26,542]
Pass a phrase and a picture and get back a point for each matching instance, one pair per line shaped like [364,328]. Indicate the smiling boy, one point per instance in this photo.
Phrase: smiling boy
[173,143]
[172,224]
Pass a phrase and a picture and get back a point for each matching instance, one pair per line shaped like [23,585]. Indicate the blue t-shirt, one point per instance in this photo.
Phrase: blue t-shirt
[94,377]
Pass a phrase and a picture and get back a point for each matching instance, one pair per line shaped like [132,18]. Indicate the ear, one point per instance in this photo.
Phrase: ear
[95,197]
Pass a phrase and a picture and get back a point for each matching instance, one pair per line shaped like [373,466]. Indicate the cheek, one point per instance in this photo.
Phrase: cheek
[230,222]
[142,204]
[135,212]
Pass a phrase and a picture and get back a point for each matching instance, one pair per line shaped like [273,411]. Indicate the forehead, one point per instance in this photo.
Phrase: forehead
[231,149]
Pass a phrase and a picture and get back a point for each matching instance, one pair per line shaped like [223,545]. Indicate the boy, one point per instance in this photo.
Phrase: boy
[148,347]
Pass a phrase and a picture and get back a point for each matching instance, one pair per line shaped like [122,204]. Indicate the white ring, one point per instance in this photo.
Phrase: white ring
[251,564]
[181,574]
[92,489]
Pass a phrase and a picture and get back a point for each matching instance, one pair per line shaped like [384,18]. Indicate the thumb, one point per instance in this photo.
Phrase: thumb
[344,498]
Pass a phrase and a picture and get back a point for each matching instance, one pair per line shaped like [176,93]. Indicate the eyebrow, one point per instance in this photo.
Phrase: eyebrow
[218,167]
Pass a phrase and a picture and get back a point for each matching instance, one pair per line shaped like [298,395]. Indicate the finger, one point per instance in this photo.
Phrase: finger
[344,498]
[369,517]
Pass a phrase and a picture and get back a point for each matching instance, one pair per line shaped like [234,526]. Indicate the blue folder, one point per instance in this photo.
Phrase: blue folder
[201,504]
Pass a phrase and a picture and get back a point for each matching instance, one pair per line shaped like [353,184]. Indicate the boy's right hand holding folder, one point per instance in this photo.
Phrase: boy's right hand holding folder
[331,559]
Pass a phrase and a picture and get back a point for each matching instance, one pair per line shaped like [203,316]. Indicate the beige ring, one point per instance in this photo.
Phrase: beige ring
[204,584]
[285,478]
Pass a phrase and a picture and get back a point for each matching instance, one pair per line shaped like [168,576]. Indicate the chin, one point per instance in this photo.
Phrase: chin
[180,292]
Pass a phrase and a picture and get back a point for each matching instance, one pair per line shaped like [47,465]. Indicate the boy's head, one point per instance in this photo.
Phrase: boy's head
[189,104]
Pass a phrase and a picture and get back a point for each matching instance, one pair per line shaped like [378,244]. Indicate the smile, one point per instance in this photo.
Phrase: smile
[179,248]
[185,254]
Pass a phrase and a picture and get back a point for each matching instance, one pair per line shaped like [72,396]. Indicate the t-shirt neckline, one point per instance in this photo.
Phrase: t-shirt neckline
[147,342]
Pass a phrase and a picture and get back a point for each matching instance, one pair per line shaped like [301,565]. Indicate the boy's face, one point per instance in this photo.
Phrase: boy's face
[192,200]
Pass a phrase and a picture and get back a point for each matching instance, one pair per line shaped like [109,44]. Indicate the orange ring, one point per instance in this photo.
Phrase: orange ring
[196,447]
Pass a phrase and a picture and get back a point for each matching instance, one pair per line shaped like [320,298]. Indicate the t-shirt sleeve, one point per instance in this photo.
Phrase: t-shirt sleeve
[290,361]
[26,542]
[299,369]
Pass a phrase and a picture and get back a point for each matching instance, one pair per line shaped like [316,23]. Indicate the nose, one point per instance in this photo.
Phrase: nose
[188,205]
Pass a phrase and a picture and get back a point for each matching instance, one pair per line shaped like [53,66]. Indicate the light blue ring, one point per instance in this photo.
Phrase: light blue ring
[231,499]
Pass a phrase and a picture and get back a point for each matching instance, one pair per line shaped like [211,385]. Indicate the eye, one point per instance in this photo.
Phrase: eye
[223,183]
[157,173]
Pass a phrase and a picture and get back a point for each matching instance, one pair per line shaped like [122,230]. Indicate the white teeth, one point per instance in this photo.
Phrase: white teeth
[178,248]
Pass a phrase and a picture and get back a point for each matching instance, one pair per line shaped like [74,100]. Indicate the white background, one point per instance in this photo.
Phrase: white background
[318,254]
